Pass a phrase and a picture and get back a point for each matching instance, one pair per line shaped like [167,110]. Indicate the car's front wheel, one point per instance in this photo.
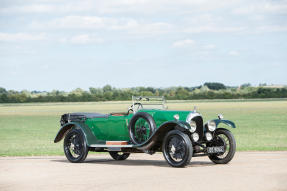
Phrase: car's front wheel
[177,148]
[119,155]
[224,138]
[75,146]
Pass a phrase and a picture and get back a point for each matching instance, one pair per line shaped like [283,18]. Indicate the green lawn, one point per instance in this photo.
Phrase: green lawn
[29,129]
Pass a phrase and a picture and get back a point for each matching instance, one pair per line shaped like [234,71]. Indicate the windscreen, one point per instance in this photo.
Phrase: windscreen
[149,102]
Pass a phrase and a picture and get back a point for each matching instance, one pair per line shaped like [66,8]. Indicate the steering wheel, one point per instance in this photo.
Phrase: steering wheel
[132,107]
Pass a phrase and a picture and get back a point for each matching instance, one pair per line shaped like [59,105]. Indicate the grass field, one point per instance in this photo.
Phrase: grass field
[29,129]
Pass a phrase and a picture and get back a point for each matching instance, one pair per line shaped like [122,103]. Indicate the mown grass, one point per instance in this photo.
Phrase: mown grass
[29,129]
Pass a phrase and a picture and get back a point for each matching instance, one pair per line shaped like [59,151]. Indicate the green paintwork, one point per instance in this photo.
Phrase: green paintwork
[115,128]
[111,128]
[90,139]
[161,116]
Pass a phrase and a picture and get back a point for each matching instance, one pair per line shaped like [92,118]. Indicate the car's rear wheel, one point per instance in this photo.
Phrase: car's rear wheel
[177,148]
[224,138]
[119,155]
[75,146]
[141,127]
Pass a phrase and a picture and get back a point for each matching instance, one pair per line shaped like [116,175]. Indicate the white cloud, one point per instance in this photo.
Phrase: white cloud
[214,29]
[52,7]
[207,18]
[117,6]
[270,7]
[183,43]
[22,37]
[105,23]
[149,28]
[78,22]
[233,53]
[272,28]
[209,46]
[143,7]
[82,39]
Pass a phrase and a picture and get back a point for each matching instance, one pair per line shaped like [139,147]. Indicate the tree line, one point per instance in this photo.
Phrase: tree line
[209,90]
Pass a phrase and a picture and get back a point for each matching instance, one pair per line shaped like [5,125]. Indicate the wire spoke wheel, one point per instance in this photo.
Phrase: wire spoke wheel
[226,143]
[141,127]
[142,130]
[224,138]
[75,147]
[177,148]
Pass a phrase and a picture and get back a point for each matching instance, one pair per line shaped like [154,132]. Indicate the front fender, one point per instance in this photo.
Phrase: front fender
[226,122]
[156,139]
[65,128]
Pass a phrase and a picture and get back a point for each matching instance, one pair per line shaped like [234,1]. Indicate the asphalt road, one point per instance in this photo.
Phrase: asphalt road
[247,171]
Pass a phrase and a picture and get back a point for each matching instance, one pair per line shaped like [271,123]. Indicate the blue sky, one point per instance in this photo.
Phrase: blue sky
[66,44]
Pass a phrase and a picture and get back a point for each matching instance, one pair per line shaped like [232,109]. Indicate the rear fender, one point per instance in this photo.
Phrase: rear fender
[68,126]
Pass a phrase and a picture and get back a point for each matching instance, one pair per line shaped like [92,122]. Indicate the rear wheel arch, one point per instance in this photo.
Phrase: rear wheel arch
[89,137]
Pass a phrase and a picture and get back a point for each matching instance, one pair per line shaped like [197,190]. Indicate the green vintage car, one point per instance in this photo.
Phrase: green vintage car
[147,127]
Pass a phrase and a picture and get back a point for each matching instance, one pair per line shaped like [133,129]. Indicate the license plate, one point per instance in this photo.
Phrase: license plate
[215,149]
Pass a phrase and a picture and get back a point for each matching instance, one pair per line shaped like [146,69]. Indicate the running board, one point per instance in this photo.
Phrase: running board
[112,147]
[108,146]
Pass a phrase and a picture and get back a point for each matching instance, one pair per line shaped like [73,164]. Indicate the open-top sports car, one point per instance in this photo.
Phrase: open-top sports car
[147,127]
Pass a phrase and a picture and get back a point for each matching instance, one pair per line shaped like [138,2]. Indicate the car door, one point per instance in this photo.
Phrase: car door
[111,128]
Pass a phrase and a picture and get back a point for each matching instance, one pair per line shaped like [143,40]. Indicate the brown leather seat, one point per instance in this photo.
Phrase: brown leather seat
[119,114]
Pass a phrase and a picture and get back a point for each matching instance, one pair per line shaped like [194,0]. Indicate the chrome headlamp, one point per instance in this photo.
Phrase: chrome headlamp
[192,126]
[195,137]
[211,126]
[208,136]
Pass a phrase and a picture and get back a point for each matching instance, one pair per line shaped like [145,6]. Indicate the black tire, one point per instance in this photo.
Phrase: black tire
[75,146]
[118,155]
[229,146]
[182,144]
[140,134]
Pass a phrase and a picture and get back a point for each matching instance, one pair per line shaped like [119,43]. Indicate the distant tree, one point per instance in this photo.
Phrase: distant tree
[211,90]
[36,92]
[107,88]
[77,92]
[214,85]
[3,91]
[245,85]
[3,95]
[151,89]
[93,90]
[262,84]
[181,93]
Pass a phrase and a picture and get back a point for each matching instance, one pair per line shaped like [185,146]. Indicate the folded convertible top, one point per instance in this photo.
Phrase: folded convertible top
[89,115]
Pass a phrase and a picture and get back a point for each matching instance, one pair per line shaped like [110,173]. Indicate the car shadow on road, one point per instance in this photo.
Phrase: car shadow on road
[133,162]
